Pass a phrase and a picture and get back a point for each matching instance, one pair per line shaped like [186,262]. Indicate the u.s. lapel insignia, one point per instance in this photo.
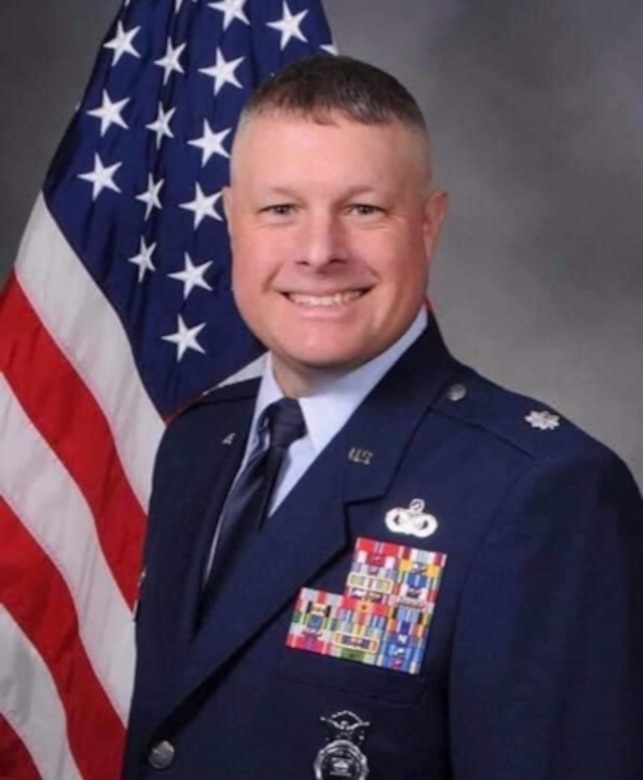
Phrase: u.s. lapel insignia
[229,439]
[358,455]
[413,521]
[342,755]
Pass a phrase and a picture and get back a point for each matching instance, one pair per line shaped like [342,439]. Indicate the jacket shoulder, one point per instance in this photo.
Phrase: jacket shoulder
[226,395]
[524,423]
[215,413]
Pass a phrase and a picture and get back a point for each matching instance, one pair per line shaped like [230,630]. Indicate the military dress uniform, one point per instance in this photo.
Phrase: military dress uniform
[453,590]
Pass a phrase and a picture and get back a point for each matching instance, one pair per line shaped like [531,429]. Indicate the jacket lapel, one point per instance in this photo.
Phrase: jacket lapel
[292,546]
[309,528]
[383,426]
[186,534]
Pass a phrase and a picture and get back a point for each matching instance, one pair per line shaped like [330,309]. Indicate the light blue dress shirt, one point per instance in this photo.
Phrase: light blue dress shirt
[325,410]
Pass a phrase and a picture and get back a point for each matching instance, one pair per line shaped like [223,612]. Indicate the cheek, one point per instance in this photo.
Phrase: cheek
[245,283]
[249,263]
[259,253]
[253,270]
[402,263]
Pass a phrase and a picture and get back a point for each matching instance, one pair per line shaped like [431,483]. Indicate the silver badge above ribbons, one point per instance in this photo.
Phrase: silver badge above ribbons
[342,757]
[413,521]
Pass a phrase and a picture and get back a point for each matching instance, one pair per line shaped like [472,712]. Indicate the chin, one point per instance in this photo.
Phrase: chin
[331,364]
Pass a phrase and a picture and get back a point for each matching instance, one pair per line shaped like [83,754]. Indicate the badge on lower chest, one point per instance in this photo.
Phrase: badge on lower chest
[383,617]
[342,756]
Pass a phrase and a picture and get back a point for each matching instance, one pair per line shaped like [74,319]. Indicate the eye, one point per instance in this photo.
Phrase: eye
[364,209]
[279,209]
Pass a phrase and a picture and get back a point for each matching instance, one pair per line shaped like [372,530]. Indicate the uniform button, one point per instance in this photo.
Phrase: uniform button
[162,755]
[456,392]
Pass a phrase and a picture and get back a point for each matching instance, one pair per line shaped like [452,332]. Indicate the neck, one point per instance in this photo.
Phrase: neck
[298,383]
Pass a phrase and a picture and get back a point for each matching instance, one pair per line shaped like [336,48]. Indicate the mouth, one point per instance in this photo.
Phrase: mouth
[325,301]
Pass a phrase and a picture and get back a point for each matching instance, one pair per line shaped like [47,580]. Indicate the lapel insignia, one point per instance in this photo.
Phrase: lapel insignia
[413,521]
[229,439]
[384,615]
[342,755]
[363,457]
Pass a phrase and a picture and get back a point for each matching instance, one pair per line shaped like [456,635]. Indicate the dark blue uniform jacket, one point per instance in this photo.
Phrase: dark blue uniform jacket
[533,668]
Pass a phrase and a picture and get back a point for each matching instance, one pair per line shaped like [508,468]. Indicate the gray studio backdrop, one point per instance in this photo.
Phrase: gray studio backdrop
[536,112]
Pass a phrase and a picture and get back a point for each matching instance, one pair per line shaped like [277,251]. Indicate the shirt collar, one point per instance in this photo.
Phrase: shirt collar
[330,405]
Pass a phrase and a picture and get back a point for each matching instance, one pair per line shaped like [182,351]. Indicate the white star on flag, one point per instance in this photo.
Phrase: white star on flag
[223,72]
[109,113]
[192,276]
[170,62]
[210,142]
[121,43]
[161,125]
[144,259]
[151,196]
[202,206]
[289,26]
[231,10]
[101,177]
[185,338]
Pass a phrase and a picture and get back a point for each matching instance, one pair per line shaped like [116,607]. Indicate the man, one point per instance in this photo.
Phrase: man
[445,579]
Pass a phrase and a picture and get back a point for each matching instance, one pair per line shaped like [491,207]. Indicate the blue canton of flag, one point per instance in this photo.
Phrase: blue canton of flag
[136,184]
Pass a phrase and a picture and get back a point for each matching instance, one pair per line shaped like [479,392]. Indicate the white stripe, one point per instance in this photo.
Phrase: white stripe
[43,495]
[87,330]
[31,705]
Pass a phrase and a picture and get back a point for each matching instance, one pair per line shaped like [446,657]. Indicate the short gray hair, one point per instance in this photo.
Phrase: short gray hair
[319,86]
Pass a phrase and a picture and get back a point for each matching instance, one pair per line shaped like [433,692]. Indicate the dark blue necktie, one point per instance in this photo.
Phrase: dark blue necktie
[248,501]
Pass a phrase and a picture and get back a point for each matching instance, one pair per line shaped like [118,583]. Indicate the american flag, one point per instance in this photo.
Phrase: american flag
[118,312]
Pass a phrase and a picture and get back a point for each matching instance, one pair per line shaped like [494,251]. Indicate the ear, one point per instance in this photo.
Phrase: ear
[434,213]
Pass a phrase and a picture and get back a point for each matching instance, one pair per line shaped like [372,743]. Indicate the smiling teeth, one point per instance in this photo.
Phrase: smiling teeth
[325,300]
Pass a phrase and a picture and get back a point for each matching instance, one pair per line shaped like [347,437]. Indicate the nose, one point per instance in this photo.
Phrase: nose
[323,241]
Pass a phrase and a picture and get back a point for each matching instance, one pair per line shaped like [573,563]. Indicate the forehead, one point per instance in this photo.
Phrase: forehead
[282,141]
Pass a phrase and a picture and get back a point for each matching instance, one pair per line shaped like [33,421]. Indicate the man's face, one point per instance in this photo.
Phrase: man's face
[332,229]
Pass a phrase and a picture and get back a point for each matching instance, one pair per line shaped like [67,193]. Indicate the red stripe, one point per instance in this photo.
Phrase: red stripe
[48,618]
[15,761]
[69,419]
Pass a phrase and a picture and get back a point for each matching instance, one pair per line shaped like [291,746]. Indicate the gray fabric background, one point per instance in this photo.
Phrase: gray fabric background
[536,113]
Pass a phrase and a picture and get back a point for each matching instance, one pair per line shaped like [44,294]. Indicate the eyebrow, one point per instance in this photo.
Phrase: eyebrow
[361,189]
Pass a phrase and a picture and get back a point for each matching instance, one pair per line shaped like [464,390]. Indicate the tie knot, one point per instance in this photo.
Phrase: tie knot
[285,422]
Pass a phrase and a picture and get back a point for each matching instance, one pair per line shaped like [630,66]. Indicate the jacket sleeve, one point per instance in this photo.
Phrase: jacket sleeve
[546,679]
